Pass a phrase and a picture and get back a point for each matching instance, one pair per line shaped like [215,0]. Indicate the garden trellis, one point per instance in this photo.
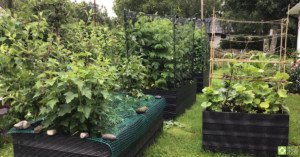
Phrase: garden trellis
[174,48]
[283,23]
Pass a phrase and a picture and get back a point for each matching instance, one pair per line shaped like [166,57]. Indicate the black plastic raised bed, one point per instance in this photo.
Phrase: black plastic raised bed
[199,80]
[259,134]
[131,140]
[177,99]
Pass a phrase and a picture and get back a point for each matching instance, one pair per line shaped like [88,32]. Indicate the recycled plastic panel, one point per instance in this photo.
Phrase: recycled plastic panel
[259,134]
[177,99]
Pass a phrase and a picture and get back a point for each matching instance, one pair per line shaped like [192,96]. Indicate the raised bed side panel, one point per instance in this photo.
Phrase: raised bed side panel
[177,100]
[259,134]
[199,80]
[37,145]
[139,146]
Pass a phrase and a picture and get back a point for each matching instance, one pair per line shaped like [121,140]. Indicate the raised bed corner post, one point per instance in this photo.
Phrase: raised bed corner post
[126,35]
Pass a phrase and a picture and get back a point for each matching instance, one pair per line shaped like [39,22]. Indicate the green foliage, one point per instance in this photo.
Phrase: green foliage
[169,124]
[133,76]
[257,10]
[294,86]
[74,99]
[231,44]
[85,10]
[152,39]
[64,71]
[183,8]
[21,59]
[201,50]
[237,95]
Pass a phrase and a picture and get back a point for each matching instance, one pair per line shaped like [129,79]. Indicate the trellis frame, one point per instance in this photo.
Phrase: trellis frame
[281,62]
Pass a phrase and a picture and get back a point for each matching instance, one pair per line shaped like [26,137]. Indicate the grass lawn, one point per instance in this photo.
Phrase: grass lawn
[187,141]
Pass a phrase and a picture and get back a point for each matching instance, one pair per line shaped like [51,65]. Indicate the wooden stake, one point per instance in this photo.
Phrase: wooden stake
[202,16]
[211,51]
[285,44]
[245,61]
[247,79]
[213,43]
[281,37]
[239,76]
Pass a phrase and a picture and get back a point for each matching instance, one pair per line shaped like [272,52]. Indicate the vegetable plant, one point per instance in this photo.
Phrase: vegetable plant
[256,94]
[65,73]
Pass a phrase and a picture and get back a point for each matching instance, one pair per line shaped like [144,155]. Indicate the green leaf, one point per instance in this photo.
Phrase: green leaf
[70,96]
[286,109]
[65,122]
[86,110]
[79,83]
[206,104]
[257,101]
[261,71]
[275,109]
[87,92]
[282,93]
[105,94]
[66,108]
[239,88]
[52,102]
[264,105]
[2,39]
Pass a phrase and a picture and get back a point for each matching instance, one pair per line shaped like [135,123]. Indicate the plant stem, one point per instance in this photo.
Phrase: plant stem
[228,89]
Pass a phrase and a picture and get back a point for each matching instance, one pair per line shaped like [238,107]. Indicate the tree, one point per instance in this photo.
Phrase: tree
[84,11]
[258,10]
[183,8]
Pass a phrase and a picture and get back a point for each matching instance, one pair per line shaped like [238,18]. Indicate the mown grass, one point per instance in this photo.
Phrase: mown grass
[6,148]
[183,142]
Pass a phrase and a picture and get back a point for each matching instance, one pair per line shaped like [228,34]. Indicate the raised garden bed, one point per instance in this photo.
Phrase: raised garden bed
[199,80]
[177,99]
[259,134]
[138,133]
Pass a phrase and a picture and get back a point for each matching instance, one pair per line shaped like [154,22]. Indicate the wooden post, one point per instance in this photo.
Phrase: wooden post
[285,44]
[211,68]
[202,16]
[281,37]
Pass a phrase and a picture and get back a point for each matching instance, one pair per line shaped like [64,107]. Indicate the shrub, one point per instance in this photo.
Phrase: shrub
[152,39]
[294,86]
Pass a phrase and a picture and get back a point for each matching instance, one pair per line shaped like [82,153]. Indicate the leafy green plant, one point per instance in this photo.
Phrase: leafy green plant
[237,94]
[200,50]
[64,72]
[294,86]
[21,59]
[74,100]
[152,39]
[133,76]
[169,124]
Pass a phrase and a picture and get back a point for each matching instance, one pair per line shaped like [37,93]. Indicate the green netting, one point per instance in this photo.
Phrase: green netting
[133,127]
[129,126]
